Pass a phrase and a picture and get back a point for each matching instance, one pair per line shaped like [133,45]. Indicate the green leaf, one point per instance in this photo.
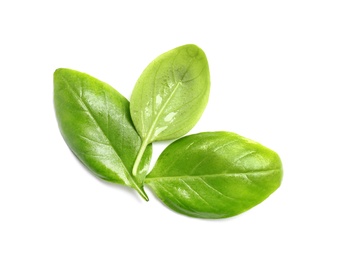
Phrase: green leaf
[215,175]
[170,95]
[95,122]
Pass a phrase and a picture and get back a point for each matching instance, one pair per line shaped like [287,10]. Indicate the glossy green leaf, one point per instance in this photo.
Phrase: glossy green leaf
[170,95]
[215,175]
[95,121]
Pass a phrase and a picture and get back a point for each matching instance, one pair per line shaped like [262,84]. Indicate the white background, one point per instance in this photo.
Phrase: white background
[274,71]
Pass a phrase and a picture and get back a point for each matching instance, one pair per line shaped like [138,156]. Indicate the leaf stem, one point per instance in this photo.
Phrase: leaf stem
[141,192]
[139,157]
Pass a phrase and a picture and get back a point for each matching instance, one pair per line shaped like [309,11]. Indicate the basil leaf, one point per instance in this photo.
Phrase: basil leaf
[215,175]
[170,95]
[95,121]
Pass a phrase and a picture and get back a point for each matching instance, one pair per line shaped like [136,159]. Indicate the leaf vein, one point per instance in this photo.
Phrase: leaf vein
[153,125]
[85,107]
[196,76]
[92,140]
[244,155]
[198,195]
[174,198]
[216,190]
[210,154]
[226,174]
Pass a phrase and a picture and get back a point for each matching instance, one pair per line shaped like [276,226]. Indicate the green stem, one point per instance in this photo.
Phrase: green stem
[139,157]
[151,130]
[141,192]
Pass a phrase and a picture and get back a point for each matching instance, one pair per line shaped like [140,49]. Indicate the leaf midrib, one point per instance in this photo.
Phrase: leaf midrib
[230,174]
[149,136]
[85,107]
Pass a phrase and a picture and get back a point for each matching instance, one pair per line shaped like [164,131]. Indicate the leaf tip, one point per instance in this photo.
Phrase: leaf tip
[58,71]
[193,50]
